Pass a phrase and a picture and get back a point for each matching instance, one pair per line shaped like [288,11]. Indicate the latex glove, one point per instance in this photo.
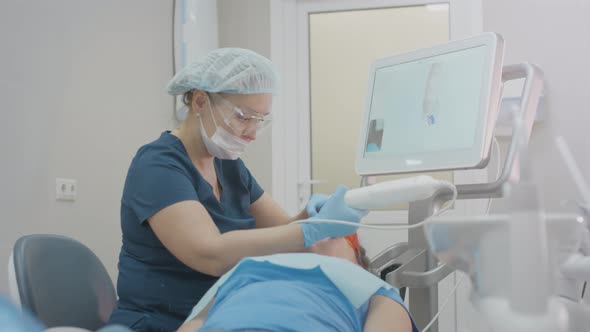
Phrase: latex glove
[315,203]
[334,208]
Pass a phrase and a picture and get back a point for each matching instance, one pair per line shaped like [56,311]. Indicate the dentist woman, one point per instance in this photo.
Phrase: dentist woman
[191,209]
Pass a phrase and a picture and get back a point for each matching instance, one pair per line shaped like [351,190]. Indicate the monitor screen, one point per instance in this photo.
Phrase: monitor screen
[429,111]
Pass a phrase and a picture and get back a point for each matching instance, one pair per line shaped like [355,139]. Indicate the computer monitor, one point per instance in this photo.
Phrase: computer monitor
[432,109]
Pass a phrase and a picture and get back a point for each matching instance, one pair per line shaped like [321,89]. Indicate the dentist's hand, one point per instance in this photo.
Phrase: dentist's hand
[315,203]
[334,208]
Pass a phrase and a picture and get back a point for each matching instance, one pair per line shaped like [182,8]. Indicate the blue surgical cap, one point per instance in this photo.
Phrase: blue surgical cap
[228,70]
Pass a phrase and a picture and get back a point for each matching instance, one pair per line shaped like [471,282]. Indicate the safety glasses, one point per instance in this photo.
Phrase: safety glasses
[239,119]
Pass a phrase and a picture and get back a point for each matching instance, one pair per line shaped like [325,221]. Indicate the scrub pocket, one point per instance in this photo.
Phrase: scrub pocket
[132,319]
[145,322]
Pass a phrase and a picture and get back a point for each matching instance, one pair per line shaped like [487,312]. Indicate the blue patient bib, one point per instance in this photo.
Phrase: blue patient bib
[355,283]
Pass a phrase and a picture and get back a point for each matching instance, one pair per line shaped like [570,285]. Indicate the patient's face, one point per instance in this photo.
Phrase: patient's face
[335,247]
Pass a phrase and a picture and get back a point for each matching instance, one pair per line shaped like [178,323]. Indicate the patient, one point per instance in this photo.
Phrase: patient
[302,292]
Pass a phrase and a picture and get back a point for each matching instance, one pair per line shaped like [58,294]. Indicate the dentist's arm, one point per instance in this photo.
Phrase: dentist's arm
[188,232]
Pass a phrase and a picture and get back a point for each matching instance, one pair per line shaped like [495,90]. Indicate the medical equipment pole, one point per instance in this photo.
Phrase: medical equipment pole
[424,301]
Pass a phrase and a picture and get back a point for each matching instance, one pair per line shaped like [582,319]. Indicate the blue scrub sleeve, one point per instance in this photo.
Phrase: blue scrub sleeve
[254,188]
[156,185]
[391,293]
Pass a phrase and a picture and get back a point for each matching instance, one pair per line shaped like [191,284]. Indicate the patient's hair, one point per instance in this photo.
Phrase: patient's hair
[362,258]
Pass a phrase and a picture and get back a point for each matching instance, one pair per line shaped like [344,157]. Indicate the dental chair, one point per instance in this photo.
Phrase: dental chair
[61,282]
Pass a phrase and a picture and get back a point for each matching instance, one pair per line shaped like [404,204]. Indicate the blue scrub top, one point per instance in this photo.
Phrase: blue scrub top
[263,296]
[156,291]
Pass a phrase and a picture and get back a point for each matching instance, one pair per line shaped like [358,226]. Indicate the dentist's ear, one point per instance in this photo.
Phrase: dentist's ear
[199,101]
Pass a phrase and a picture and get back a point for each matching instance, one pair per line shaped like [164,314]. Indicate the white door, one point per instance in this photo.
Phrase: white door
[324,50]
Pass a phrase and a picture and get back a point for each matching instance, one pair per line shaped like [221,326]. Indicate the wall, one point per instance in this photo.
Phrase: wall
[246,24]
[82,86]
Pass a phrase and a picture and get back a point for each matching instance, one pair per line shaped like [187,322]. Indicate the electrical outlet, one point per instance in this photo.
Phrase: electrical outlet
[65,189]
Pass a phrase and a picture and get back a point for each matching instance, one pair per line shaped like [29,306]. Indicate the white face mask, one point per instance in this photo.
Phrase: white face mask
[223,144]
